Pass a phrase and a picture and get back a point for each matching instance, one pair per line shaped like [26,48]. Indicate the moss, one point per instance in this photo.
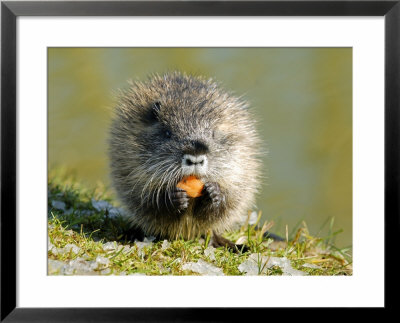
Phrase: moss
[74,219]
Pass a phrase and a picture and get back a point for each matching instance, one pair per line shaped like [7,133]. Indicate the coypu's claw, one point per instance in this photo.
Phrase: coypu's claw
[179,199]
[214,193]
[219,241]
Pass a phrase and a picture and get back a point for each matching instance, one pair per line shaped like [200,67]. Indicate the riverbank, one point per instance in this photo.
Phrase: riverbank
[87,235]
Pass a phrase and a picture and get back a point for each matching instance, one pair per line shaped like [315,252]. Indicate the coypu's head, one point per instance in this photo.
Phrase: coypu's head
[177,125]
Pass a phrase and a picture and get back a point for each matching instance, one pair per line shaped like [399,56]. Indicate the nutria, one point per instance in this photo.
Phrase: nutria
[176,125]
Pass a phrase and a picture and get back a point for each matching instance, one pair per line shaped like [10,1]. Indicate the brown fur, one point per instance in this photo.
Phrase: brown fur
[147,143]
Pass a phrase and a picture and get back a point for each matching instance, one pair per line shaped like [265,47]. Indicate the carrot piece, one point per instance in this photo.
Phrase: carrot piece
[192,185]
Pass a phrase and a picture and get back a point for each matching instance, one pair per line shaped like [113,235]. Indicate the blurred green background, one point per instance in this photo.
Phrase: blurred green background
[302,98]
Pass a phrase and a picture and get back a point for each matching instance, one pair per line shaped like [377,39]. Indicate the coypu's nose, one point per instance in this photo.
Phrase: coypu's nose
[194,164]
[196,147]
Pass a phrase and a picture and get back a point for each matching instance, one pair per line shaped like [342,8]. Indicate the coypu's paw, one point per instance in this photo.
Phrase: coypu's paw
[179,199]
[213,191]
[219,241]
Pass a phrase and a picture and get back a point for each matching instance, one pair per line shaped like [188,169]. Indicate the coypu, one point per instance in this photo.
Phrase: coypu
[176,125]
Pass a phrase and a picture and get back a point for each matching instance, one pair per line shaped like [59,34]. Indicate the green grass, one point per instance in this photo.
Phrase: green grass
[73,220]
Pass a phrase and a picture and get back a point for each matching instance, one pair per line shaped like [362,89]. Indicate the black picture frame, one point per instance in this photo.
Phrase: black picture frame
[11,10]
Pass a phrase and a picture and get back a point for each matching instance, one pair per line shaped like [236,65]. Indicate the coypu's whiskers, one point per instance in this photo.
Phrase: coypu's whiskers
[163,178]
[156,173]
[172,181]
[143,170]
[166,177]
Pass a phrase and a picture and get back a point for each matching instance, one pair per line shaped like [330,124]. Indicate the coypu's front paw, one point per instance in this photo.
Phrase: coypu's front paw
[179,199]
[213,191]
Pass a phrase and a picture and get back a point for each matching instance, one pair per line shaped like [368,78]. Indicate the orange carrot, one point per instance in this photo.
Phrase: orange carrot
[192,185]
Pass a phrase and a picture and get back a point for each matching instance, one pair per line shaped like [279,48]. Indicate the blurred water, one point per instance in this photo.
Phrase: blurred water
[302,98]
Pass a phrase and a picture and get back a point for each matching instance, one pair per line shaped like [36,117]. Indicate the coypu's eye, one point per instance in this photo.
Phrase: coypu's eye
[167,134]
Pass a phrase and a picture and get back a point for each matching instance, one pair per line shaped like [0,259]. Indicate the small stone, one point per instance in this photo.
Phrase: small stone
[203,268]
[210,252]
[126,249]
[68,270]
[93,265]
[59,205]
[249,267]
[72,247]
[102,260]
[115,212]
[69,211]
[288,270]
[142,245]
[105,206]
[105,271]
[80,266]
[165,245]
[55,267]
[101,205]
[110,246]
[49,245]
[257,264]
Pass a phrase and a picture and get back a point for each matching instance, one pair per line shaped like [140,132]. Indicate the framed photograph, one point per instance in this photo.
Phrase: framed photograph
[197,157]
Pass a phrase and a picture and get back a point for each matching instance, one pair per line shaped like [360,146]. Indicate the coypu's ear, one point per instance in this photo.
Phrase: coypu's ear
[157,106]
[152,115]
